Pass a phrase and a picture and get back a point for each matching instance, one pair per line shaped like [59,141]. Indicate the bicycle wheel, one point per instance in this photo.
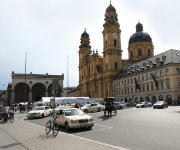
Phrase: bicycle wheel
[48,127]
[55,129]
[11,118]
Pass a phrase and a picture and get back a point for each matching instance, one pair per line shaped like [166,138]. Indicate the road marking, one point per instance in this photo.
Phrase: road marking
[82,138]
[102,126]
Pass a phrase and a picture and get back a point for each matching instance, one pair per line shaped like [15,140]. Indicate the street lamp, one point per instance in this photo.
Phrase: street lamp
[25,77]
[67,75]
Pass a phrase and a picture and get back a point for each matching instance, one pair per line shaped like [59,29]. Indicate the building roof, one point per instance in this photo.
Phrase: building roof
[139,35]
[167,57]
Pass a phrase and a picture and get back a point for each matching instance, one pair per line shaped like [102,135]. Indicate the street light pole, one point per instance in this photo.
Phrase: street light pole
[67,75]
[25,77]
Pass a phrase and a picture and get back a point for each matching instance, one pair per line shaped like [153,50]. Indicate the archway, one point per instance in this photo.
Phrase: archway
[21,92]
[160,97]
[38,91]
[153,99]
[169,99]
[141,100]
[147,99]
[136,100]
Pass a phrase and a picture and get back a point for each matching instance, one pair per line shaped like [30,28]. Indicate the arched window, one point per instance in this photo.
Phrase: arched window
[131,54]
[115,65]
[139,52]
[114,42]
[149,52]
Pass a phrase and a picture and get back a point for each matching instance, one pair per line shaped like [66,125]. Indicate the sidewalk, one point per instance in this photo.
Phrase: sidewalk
[22,135]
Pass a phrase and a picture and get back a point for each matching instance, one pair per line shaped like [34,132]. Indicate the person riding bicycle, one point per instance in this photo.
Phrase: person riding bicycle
[4,112]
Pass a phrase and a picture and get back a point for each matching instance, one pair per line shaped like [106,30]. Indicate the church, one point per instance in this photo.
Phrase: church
[141,77]
[96,72]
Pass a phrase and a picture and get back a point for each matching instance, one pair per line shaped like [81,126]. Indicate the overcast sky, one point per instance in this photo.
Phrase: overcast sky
[50,30]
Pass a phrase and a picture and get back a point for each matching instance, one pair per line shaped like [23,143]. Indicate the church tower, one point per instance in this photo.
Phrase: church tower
[84,56]
[112,52]
[140,45]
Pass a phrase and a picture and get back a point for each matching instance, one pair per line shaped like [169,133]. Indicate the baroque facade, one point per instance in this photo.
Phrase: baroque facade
[141,77]
[32,87]
[96,73]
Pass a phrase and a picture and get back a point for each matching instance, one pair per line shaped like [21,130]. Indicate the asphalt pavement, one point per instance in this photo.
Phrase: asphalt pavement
[22,135]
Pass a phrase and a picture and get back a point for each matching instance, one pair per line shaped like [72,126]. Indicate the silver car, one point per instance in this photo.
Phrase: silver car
[143,105]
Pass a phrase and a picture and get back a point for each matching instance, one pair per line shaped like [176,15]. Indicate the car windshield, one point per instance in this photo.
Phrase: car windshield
[159,102]
[87,105]
[38,108]
[72,112]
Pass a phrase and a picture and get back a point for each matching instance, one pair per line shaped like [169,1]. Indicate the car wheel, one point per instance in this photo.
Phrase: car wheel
[166,106]
[136,107]
[99,109]
[86,111]
[142,106]
[154,107]
[66,126]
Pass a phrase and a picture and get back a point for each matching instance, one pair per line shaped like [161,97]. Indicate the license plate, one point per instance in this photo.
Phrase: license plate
[82,124]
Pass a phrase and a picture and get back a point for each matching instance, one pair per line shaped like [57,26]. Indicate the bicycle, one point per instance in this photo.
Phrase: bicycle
[9,117]
[52,125]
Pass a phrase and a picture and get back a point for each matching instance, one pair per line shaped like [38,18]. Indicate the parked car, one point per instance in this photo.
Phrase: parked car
[93,107]
[143,105]
[39,111]
[160,104]
[118,105]
[74,118]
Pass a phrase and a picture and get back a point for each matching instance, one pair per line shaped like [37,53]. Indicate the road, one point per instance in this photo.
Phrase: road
[133,128]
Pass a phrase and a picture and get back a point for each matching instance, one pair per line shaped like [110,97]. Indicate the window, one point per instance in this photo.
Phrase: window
[115,65]
[139,78]
[139,52]
[161,73]
[143,88]
[167,84]
[147,87]
[127,81]
[149,52]
[114,42]
[166,71]
[147,77]
[162,85]
[131,90]
[152,87]
[131,54]
[131,80]
[178,83]
[156,74]
[177,70]
[142,77]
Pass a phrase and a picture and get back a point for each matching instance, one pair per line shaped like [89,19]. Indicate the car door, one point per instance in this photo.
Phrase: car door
[93,107]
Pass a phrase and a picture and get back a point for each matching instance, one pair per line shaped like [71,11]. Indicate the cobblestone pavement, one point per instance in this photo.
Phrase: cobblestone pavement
[22,135]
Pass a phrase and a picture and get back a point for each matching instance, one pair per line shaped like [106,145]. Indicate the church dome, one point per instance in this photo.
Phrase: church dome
[85,34]
[110,8]
[140,35]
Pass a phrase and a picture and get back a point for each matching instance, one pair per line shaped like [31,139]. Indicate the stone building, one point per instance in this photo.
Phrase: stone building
[151,79]
[32,87]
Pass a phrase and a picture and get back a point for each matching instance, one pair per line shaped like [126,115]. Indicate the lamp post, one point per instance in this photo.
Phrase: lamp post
[25,77]
[67,76]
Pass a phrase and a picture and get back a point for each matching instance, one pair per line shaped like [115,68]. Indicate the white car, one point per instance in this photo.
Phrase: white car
[93,107]
[73,118]
[143,105]
[39,111]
